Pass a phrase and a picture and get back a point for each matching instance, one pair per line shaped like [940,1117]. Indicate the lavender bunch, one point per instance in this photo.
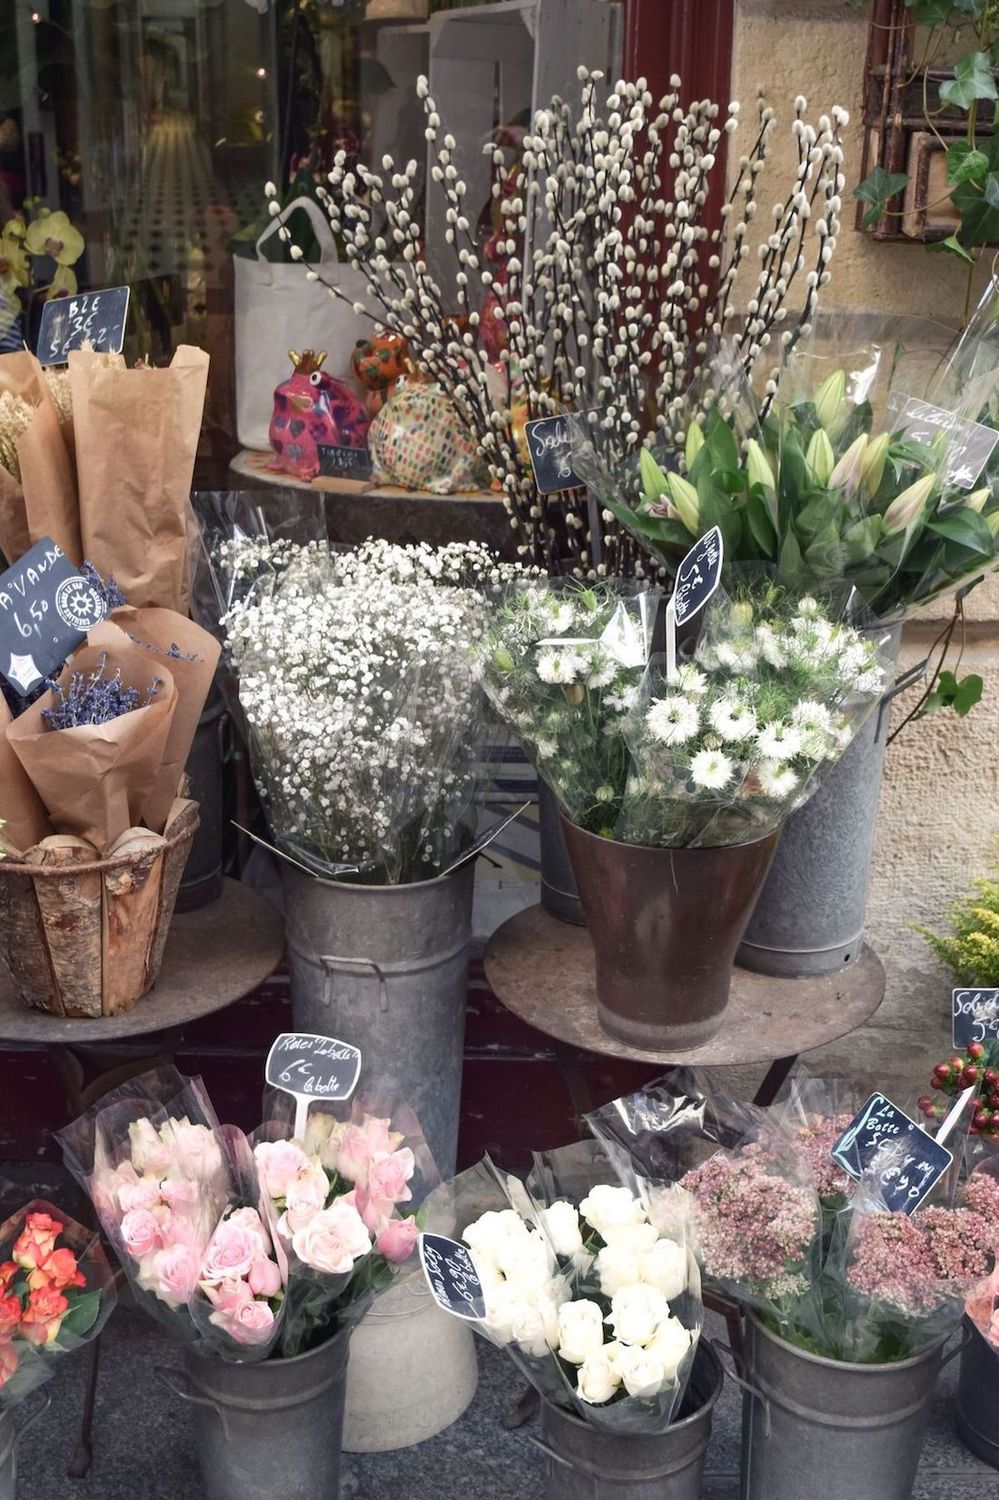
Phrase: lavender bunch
[107,587]
[93,698]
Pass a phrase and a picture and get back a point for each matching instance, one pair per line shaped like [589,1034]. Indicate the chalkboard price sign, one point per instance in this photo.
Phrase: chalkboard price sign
[976,1016]
[312,1067]
[336,462]
[969,444]
[698,576]
[883,1139]
[67,323]
[549,444]
[46,609]
[452,1277]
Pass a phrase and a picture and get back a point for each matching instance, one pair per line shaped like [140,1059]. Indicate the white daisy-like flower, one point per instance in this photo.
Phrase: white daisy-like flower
[673,721]
[777,780]
[871,684]
[690,681]
[547,749]
[809,713]
[620,702]
[561,618]
[779,741]
[737,656]
[603,670]
[731,719]
[560,666]
[770,647]
[712,770]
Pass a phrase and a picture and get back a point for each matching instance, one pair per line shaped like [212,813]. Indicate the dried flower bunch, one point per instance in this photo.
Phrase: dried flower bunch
[612,286]
[15,414]
[362,702]
[94,698]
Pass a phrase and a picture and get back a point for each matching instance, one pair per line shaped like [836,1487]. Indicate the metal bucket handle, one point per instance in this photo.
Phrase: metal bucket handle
[592,1472]
[178,1383]
[967,1334]
[903,681]
[331,962]
[721,1349]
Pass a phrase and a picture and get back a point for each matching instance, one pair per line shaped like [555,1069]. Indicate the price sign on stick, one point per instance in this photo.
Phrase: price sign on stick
[46,609]
[312,1067]
[697,578]
[67,323]
[976,1016]
[913,1161]
[452,1277]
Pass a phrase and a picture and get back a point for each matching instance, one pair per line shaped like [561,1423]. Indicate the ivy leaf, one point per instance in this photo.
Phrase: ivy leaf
[968,693]
[952,246]
[929,12]
[979,211]
[951,692]
[965,162]
[972,80]
[878,189]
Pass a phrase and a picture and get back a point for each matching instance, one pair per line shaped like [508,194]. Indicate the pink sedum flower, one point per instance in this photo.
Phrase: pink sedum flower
[981,1193]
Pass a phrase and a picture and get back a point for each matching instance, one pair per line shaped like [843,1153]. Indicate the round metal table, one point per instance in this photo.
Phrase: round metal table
[541,969]
[213,956]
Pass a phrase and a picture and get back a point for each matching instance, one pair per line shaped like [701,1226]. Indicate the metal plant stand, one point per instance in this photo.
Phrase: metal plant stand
[214,956]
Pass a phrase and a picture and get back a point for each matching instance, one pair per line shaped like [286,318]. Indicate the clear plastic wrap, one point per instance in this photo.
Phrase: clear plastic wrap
[590,1286]
[370,738]
[719,752]
[56,1293]
[342,1205]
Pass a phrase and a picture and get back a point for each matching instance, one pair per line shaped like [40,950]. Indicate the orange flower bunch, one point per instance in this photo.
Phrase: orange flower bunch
[33,1286]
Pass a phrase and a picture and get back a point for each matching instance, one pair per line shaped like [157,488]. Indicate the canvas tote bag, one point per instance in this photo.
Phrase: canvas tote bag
[277,308]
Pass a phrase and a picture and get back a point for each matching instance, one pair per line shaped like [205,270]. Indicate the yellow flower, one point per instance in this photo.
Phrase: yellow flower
[14,270]
[53,234]
[63,283]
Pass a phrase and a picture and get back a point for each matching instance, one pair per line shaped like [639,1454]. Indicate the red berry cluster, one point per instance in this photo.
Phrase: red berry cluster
[959,1073]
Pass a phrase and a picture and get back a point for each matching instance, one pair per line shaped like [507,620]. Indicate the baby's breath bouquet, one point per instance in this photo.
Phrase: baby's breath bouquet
[717,752]
[365,716]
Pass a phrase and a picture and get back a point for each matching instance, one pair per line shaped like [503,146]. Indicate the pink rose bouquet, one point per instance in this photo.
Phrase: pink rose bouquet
[338,1208]
[56,1293]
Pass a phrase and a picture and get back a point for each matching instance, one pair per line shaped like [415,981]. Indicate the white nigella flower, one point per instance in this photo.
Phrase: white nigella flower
[808,713]
[779,741]
[621,701]
[603,670]
[547,749]
[809,607]
[690,681]
[554,665]
[712,770]
[777,779]
[737,655]
[769,647]
[731,719]
[673,720]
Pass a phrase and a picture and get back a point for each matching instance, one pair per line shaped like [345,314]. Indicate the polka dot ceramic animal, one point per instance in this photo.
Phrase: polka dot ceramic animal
[419,442]
[311,410]
[377,363]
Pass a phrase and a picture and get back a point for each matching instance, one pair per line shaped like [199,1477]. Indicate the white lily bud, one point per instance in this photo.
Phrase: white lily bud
[830,401]
[979,499]
[694,443]
[873,467]
[906,507]
[758,466]
[685,498]
[847,472]
[819,456]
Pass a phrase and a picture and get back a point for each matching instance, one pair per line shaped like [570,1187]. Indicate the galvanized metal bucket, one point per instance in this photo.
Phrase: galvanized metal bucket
[589,1463]
[11,1433]
[816,1425]
[386,968]
[665,925]
[978,1397]
[267,1429]
[558,885]
[202,878]
[810,915]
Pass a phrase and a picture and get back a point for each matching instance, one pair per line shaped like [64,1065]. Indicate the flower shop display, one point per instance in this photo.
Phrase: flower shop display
[38,250]
[96,827]
[673,787]
[259,1254]
[312,410]
[419,441]
[978,1381]
[592,1289]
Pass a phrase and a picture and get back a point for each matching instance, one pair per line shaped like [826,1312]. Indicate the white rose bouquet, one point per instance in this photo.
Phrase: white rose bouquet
[365,717]
[718,752]
[595,1294]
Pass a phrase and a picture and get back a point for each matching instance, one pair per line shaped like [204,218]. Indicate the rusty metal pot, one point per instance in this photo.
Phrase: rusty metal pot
[665,925]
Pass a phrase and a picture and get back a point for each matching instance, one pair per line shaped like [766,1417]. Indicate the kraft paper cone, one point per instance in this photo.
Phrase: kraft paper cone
[47,503]
[21,808]
[136,435]
[162,633]
[14,537]
[96,780]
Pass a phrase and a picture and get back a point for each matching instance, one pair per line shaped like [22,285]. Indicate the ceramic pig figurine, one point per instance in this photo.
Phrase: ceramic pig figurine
[311,410]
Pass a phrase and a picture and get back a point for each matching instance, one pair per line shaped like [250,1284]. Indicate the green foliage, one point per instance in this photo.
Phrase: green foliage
[972,80]
[971,949]
[960,694]
[878,189]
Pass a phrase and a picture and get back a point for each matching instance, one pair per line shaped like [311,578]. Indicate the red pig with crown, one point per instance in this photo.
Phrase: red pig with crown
[313,410]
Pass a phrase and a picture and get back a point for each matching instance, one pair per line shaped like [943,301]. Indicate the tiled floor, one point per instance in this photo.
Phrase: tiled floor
[143,1442]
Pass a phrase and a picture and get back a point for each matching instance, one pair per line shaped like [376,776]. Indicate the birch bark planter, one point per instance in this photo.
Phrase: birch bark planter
[665,925]
[587,1461]
[845,1431]
[85,937]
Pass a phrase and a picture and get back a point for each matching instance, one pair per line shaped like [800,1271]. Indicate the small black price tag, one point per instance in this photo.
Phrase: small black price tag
[46,609]
[67,323]
[913,1160]
[452,1277]
[336,462]
[970,443]
[313,1067]
[976,1016]
[549,444]
[698,576]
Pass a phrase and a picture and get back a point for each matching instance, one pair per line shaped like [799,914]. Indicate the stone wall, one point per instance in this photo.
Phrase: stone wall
[938,818]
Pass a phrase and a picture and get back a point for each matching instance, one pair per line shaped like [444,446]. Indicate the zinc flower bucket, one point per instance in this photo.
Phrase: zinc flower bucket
[848,1431]
[665,925]
[978,1397]
[584,1460]
[267,1429]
